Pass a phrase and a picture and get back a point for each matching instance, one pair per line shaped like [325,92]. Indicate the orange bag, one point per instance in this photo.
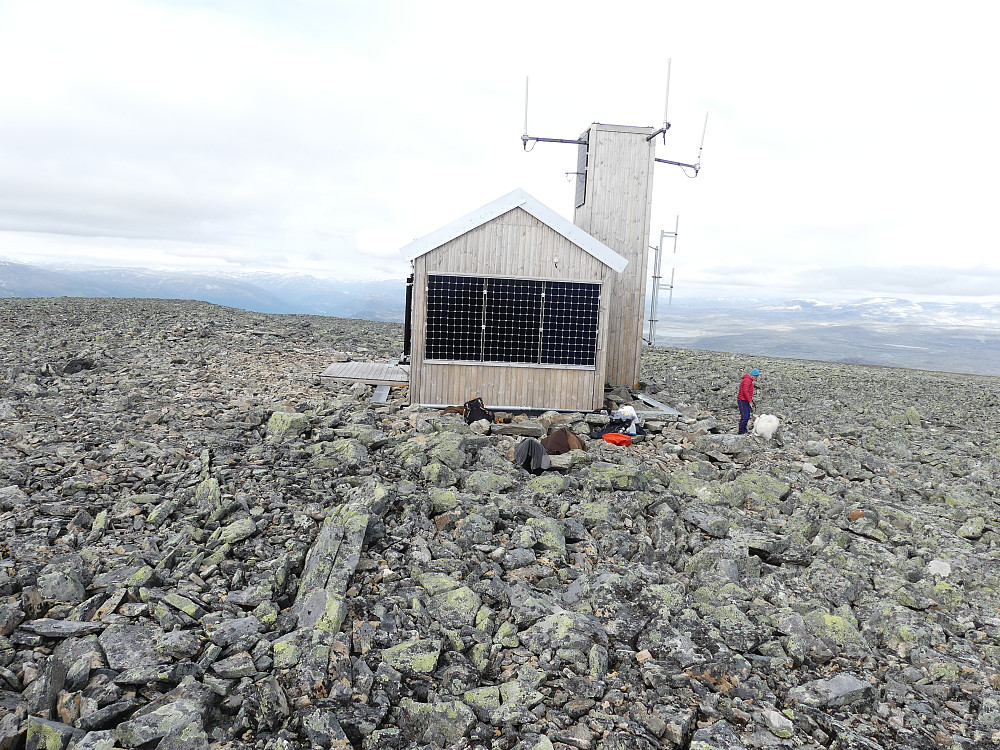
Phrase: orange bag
[616,438]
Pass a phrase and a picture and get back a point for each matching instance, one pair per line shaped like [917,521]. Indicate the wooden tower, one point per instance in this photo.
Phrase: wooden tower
[613,205]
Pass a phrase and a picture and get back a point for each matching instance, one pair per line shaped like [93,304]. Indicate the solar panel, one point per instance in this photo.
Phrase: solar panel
[524,321]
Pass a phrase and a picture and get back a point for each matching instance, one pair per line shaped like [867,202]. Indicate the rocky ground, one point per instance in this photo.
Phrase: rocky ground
[203,544]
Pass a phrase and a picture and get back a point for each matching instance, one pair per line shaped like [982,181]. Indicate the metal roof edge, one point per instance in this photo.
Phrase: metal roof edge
[516,199]
[462,225]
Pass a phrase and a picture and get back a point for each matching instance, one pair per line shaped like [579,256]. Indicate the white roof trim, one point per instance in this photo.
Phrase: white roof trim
[516,199]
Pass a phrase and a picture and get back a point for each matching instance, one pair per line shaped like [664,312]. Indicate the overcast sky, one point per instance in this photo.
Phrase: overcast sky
[851,149]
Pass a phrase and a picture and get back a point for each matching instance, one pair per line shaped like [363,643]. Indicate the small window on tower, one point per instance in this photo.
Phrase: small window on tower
[581,172]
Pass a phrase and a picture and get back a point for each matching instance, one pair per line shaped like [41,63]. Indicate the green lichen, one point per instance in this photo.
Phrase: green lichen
[449,450]
[436,583]
[437,473]
[595,513]
[283,425]
[507,635]
[607,476]
[140,578]
[339,454]
[487,483]
[548,484]
[442,500]
[237,531]
[544,533]
[457,607]
[286,653]
[483,698]
[413,657]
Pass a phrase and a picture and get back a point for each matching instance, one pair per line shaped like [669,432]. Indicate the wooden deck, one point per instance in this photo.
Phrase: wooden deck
[373,373]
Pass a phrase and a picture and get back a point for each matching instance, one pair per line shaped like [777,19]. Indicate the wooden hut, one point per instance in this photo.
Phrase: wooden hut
[511,304]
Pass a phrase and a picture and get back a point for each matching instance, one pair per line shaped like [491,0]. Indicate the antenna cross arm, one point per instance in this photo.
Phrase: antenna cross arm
[695,167]
[525,138]
[664,129]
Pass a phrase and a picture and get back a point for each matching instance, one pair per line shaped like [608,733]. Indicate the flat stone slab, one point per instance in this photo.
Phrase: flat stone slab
[49,628]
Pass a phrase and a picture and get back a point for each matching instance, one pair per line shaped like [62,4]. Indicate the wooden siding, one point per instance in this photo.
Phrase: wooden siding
[617,212]
[513,245]
[512,387]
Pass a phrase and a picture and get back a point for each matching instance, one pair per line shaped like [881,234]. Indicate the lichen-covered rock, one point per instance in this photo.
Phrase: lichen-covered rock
[545,534]
[487,483]
[571,630]
[840,690]
[457,607]
[345,454]
[43,734]
[449,449]
[62,581]
[449,720]
[284,425]
[237,531]
[606,476]
[128,646]
[417,657]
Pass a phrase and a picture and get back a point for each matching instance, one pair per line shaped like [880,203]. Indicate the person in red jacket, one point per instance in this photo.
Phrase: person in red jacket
[745,398]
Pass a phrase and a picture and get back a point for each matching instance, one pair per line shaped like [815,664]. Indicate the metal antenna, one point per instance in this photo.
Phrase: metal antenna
[666,105]
[657,284]
[525,135]
[666,101]
[703,129]
[697,165]
[525,138]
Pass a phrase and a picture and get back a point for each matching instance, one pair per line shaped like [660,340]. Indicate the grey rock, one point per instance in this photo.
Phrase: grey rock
[42,694]
[97,740]
[107,717]
[43,734]
[449,720]
[129,646]
[62,581]
[286,425]
[527,428]
[235,666]
[840,690]
[719,736]
[323,729]
[182,718]
[51,628]
[237,531]
[244,632]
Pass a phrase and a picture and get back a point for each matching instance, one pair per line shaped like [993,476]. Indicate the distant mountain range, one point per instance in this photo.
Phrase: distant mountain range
[961,337]
[260,292]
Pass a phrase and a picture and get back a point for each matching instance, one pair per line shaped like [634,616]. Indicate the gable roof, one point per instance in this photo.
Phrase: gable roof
[516,199]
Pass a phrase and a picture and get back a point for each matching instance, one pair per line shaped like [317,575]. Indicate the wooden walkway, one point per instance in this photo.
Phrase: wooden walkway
[374,373]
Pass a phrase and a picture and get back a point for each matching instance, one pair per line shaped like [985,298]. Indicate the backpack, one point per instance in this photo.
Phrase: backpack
[476,410]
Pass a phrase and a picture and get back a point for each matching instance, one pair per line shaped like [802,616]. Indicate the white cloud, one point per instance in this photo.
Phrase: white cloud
[316,136]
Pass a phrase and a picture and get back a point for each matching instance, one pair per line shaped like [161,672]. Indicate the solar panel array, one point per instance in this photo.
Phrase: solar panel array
[476,319]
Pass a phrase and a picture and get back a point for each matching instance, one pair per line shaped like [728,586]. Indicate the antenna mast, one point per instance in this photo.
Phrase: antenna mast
[657,284]
[525,137]
[666,105]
